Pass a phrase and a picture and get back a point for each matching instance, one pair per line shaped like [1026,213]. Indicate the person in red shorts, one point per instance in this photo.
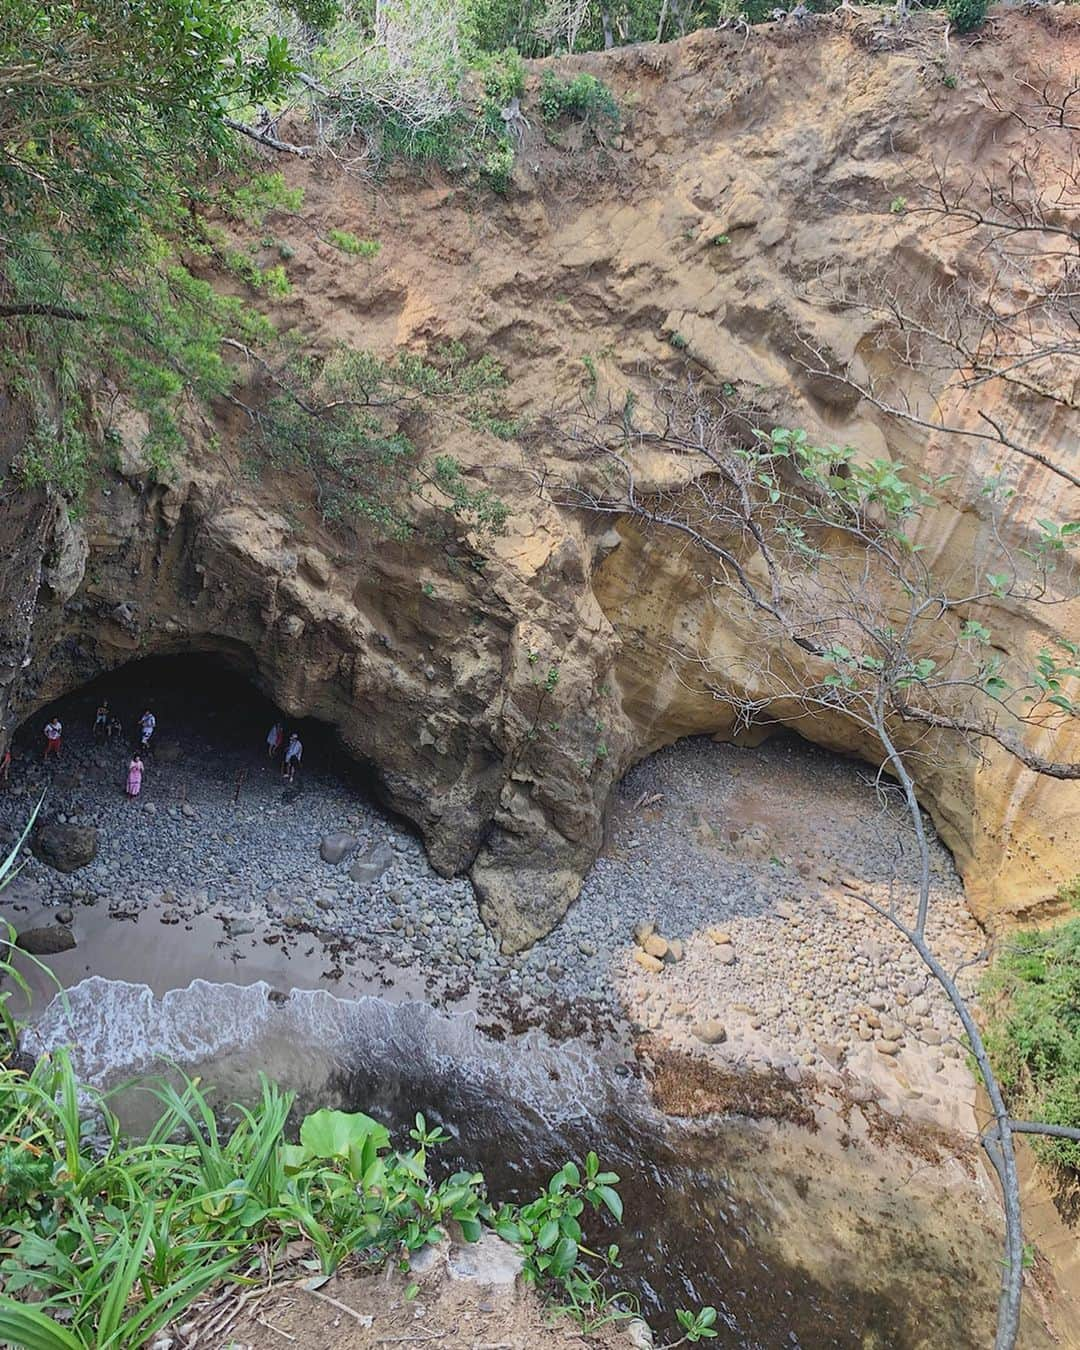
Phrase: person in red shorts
[54,733]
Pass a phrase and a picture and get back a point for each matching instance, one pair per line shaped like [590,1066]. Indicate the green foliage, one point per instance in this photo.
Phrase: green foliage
[834,469]
[479,508]
[699,1326]
[259,196]
[967,15]
[583,97]
[549,1231]
[109,107]
[111,112]
[898,206]
[319,14]
[351,243]
[119,1237]
[503,74]
[58,459]
[679,342]
[1032,994]
[339,416]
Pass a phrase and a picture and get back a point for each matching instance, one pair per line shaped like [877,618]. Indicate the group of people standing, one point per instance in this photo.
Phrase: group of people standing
[294,750]
[108,727]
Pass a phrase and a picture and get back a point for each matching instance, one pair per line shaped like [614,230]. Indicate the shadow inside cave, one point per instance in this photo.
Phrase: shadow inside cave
[208,713]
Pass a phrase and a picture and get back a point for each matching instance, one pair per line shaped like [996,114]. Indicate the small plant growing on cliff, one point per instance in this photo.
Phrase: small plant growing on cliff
[679,342]
[966,15]
[252,201]
[898,206]
[503,74]
[584,98]
[352,244]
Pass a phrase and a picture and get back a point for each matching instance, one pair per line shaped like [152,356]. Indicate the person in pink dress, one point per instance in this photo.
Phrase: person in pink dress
[134,778]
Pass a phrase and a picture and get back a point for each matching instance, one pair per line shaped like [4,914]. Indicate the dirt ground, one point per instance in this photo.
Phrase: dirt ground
[372,1312]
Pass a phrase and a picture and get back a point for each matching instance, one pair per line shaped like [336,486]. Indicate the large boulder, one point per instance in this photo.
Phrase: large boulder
[66,847]
[372,863]
[46,941]
[337,845]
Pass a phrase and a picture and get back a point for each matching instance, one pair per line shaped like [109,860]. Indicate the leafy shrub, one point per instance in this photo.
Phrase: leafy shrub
[58,459]
[503,75]
[583,97]
[967,15]
[1033,1037]
[498,166]
[318,14]
[351,243]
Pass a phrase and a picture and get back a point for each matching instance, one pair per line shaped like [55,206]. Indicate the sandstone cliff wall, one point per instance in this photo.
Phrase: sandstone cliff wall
[430,659]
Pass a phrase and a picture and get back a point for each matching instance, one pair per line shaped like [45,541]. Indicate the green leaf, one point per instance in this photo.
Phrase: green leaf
[564,1258]
[612,1200]
[330,1134]
[32,1330]
[548,1235]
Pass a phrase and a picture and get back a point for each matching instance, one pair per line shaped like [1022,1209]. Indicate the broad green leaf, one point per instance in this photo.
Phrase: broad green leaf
[612,1200]
[330,1134]
[564,1258]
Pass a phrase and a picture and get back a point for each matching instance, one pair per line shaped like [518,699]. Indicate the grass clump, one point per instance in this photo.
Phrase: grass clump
[1032,992]
[583,98]
[353,244]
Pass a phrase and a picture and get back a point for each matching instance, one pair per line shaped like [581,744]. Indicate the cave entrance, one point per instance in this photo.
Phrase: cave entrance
[210,717]
[218,869]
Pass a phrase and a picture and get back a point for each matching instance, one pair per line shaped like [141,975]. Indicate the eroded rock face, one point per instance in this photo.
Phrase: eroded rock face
[789,147]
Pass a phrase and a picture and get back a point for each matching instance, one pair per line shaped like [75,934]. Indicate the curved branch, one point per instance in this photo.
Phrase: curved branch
[264,138]
[1036,763]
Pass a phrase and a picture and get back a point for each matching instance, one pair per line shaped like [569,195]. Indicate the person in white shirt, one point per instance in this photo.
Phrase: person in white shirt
[147,723]
[294,753]
[54,732]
